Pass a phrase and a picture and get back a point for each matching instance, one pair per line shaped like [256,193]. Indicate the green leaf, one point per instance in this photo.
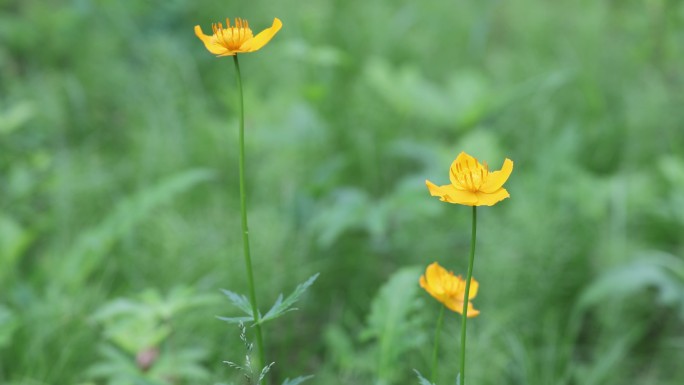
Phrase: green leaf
[8,325]
[134,324]
[281,306]
[92,245]
[296,381]
[392,322]
[657,270]
[14,240]
[241,302]
[421,379]
[236,320]
[16,117]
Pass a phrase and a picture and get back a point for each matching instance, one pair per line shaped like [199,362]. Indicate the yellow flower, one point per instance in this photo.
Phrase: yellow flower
[230,41]
[472,184]
[449,289]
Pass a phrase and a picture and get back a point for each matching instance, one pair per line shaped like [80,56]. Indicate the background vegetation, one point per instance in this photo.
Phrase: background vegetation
[119,202]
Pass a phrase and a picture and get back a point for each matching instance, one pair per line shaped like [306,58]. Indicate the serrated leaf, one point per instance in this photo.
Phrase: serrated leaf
[297,381]
[392,321]
[240,301]
[281,306]
[421,379]
[236,320]
[92,245]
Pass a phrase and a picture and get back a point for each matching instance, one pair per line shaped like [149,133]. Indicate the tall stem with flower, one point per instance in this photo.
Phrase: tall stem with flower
[243,220]
[472,184]
[231,41]
[466,294]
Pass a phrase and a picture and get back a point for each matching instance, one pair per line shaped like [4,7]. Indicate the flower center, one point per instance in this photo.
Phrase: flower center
[232,37]
[469,176]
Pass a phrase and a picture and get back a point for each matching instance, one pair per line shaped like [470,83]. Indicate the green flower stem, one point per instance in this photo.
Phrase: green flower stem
[438,332]
[466,295]
[245,229]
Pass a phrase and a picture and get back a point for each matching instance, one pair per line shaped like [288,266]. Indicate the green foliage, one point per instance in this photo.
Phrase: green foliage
[8,324]
[110,113]
[393,328]
[14,240]
[135,325]
[252,375]
[279,308]
[297,380]
[658,271]
[117,368]
[392,323]
[140,347]
[92,246]
[422,380]
[15,117]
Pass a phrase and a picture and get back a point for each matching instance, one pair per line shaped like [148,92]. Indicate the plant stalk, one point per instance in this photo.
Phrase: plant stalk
[466,295]
[438,332]
[245,228]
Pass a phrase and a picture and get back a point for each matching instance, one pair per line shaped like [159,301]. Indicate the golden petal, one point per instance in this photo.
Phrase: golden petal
[484,199]
[448,193]
[435,190]
[466,160]
[463,161]
[457,306]
[453,304]
[460,197]
[228,53]
[472,312]
[474,286]
[210,43]
[496,179]
[423,283]
[434,278]
[262,37]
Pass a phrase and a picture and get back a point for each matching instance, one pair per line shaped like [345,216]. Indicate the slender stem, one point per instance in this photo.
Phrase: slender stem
[245,229]
[438,332]
[466,295]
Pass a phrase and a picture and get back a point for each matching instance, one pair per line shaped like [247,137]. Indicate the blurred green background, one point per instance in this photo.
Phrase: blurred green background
[119,211]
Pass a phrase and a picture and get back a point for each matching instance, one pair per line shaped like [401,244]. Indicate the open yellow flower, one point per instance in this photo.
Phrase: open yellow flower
[449,289]
[472,184]
[236,39]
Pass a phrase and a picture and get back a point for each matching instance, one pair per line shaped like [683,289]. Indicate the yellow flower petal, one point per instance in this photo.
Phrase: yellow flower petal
[433,276]
[448,193]
[463,160]
[484,199]
[456,305]
[461,197]
[448,289]
[210,42]
[472,184]
[496,179]
[423,282]
[453,304]
[472,312]
[262,37]
[474,286]
[435,190]
[236,38]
